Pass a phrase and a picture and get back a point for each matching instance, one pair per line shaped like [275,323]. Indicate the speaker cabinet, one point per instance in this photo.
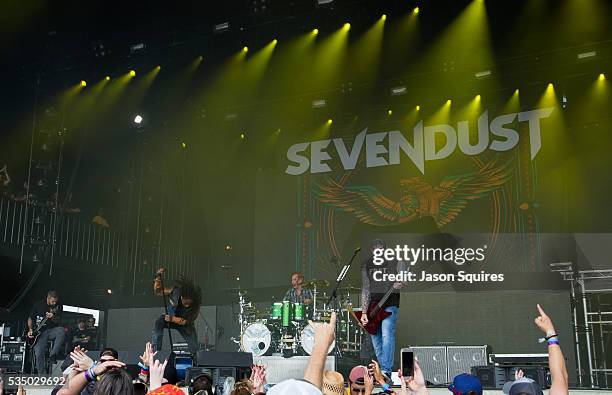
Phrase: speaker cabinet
[433,362]
[462,358]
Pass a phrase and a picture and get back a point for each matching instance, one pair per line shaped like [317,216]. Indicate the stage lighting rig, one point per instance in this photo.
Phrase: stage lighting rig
[138,119]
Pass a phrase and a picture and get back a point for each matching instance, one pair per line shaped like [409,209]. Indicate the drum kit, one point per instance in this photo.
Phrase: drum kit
[285,330]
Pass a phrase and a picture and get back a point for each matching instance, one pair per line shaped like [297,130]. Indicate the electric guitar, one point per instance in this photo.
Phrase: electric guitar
[376,314]
[31,341]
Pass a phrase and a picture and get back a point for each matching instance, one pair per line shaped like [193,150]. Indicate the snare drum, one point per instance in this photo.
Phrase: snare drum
[256,339]
[299,312]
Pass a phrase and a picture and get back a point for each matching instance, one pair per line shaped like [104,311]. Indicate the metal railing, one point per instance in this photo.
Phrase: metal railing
[84,242]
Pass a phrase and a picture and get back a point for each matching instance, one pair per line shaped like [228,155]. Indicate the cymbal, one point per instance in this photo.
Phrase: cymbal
[237,291]
[349,288]
[317,283]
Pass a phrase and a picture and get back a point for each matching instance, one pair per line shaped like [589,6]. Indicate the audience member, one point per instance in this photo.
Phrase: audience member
[466,384]
[202,385]
[81,335]
[360,381]
[333,383]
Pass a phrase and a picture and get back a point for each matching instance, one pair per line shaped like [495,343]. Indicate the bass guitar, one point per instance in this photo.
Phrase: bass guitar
[31,340]
[376,314]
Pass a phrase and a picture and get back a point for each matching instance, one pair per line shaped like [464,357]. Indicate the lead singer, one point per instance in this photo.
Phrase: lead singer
[185,299]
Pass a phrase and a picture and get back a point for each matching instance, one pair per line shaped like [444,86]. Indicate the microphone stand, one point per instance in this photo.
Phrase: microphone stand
[340,278]
[161,281]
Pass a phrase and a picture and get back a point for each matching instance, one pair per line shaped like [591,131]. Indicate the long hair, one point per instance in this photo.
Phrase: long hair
[190,290]
[115,382]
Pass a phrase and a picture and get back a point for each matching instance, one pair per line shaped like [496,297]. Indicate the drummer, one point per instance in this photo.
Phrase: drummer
[298,294]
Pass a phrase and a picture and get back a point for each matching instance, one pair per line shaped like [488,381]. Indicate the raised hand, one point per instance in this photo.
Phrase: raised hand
[368,381]
[160,271]
[147,354]
[105,366]
[156,373]
[81,362]
[377,373]
[544,322]
[417,383]
[325,332]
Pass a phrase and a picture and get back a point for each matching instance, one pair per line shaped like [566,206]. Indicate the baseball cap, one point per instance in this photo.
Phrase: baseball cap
[464,383]
[295,387]
[523,385]
[358,372]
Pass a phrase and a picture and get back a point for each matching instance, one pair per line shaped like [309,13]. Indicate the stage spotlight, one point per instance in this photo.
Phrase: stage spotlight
[184,145]
[399,90]
[383,17]
[550,85]
[109,291]
[242,136]
[330,121]
[245,49]
[416,10]
[418,108]
[602,77]
[347,26]
[586,55]
[107,78]
[315,31]
[132,73]
[228,247]
[448,102]
[516,92]
[158,67]
[390,112]
[482,74]
[138,119]
[275,41]
[319,103]
[477,97]
[83,83]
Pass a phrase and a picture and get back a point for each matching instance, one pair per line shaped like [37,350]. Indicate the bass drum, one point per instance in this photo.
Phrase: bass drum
[256,339]
[307,340]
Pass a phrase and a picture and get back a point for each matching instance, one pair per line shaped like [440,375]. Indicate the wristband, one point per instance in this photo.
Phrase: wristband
[143,366]
[385,387]
[267,387]
[548,337]
[552,341]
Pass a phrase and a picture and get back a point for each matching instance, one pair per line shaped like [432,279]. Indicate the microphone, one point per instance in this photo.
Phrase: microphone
[357,249]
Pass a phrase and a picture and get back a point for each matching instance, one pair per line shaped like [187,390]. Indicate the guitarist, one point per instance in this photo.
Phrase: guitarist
[372,292]
[47,312]
[183,309]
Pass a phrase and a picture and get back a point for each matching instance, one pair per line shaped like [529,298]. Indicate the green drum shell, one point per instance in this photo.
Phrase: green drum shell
[286,316]
[277,309]
[298,311]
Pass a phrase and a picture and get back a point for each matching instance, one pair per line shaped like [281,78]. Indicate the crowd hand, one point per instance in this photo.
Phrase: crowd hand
[168,318]
[325,332]
[49,315]
[147,354]
[258,378]
[544,322]
[21,390]
[160,271]
[81,362]
[518,374]
[368,382]
[156,373]
[105,366]
[415,384]
[377,373]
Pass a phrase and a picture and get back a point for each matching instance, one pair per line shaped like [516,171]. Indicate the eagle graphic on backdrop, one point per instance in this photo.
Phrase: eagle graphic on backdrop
[419,198]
